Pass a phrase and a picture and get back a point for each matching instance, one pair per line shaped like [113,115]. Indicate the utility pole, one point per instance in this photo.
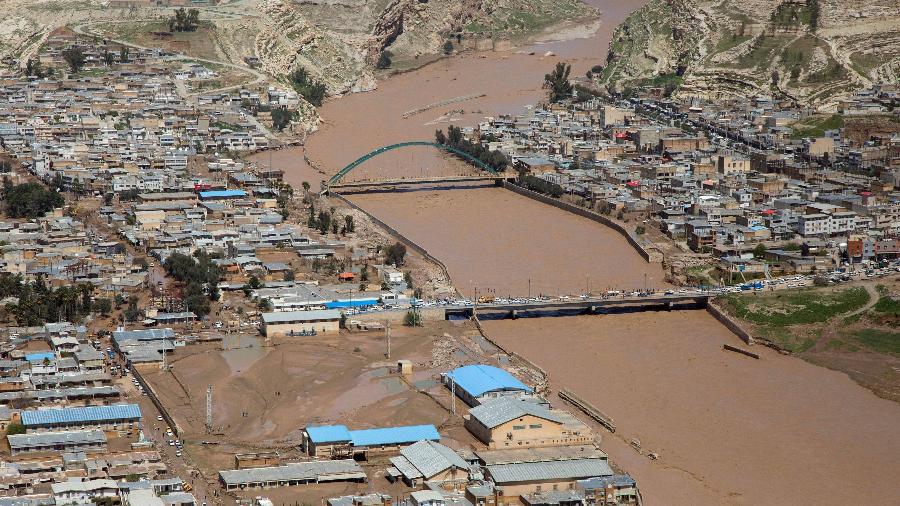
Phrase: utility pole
[452,395]
[209,409]
[388,332]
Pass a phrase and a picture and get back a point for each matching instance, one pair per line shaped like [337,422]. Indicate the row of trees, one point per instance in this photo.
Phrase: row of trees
[184,20]
[75,58]
[539,185]
[39,303]
[454,138]
[326,220]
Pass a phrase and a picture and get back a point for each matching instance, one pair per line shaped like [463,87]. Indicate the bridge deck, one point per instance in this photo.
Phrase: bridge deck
[584,303]
[416,181]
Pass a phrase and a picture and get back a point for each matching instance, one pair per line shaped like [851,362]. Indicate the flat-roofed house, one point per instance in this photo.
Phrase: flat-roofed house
[293,323]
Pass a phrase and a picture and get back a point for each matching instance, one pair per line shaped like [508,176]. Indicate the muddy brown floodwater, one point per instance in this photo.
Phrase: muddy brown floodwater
[496,241]
[729,429]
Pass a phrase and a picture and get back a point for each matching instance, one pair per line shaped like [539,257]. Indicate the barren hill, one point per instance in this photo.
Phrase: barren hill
[814,51]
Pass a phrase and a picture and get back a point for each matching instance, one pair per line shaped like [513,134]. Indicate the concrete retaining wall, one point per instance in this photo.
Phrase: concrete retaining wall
[400,237]
[155,400]
[729,322]
[649,256]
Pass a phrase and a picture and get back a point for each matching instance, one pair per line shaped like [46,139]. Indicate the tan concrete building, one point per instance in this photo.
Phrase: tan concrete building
[296,323]
[728,164]
[516,423]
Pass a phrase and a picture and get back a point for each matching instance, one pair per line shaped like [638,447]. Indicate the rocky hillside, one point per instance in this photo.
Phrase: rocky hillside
[337,41]
[813,51]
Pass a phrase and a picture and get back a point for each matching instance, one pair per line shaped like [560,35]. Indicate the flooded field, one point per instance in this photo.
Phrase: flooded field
[496,241]
[728,429]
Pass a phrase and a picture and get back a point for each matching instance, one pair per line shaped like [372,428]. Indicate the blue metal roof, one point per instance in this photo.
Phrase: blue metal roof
[328,434]
[347,303]
[480,379]
[80,415]
[40,356]
[219,194]
[394,435]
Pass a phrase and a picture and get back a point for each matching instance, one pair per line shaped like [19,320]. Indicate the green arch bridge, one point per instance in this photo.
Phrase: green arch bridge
[384,149]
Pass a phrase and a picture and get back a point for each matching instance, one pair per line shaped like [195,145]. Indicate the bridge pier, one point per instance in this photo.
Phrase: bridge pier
[669,306]
[513,314]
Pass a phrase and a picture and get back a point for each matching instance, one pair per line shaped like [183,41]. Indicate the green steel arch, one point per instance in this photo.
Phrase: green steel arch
[359,161]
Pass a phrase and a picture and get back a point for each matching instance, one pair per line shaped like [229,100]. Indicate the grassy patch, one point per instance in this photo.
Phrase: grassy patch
[730,41]
[764,49]
[815,126]
[882,341]
[887,306]
[796,308]
[838,345]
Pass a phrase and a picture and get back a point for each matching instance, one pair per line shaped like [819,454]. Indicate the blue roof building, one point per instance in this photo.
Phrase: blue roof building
[394,436]
[88,416]
[473,383]
[337,441]
[222,194]
[328,434]
[40,356]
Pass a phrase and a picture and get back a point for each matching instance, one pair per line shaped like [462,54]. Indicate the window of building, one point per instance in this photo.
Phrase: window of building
[518,427]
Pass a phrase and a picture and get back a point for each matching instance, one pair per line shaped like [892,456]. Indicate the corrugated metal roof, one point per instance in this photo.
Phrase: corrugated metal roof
[328,433]
[499,411]
[480,379]
[55,438]
[292,472]
[79,415]
[394,435]
[430,458]
[557,470]
[408,470]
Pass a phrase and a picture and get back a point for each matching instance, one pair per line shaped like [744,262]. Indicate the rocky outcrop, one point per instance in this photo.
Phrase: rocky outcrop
[727,48]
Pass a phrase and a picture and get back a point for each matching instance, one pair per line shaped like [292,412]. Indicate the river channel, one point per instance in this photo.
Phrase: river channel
[728,429]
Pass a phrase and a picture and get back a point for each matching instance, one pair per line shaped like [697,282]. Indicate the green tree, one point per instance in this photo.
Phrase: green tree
[31,200]
[74,57]
[311,90]
[396,254]
[124,53]
[103,306]
[15,428]
[412,319]
[448,47]
[759,251]
[108,57]
[557,82]
[305,186]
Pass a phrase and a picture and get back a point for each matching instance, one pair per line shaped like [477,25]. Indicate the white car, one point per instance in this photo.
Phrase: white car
[159,418]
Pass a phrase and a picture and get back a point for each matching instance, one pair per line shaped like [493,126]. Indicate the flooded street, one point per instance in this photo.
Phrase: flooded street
[729,429]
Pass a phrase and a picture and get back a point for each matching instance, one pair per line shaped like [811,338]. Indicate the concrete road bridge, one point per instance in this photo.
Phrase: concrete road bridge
[588,305]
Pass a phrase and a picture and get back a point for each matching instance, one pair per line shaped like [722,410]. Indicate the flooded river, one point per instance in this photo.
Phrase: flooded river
[729,429]
[497,241]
